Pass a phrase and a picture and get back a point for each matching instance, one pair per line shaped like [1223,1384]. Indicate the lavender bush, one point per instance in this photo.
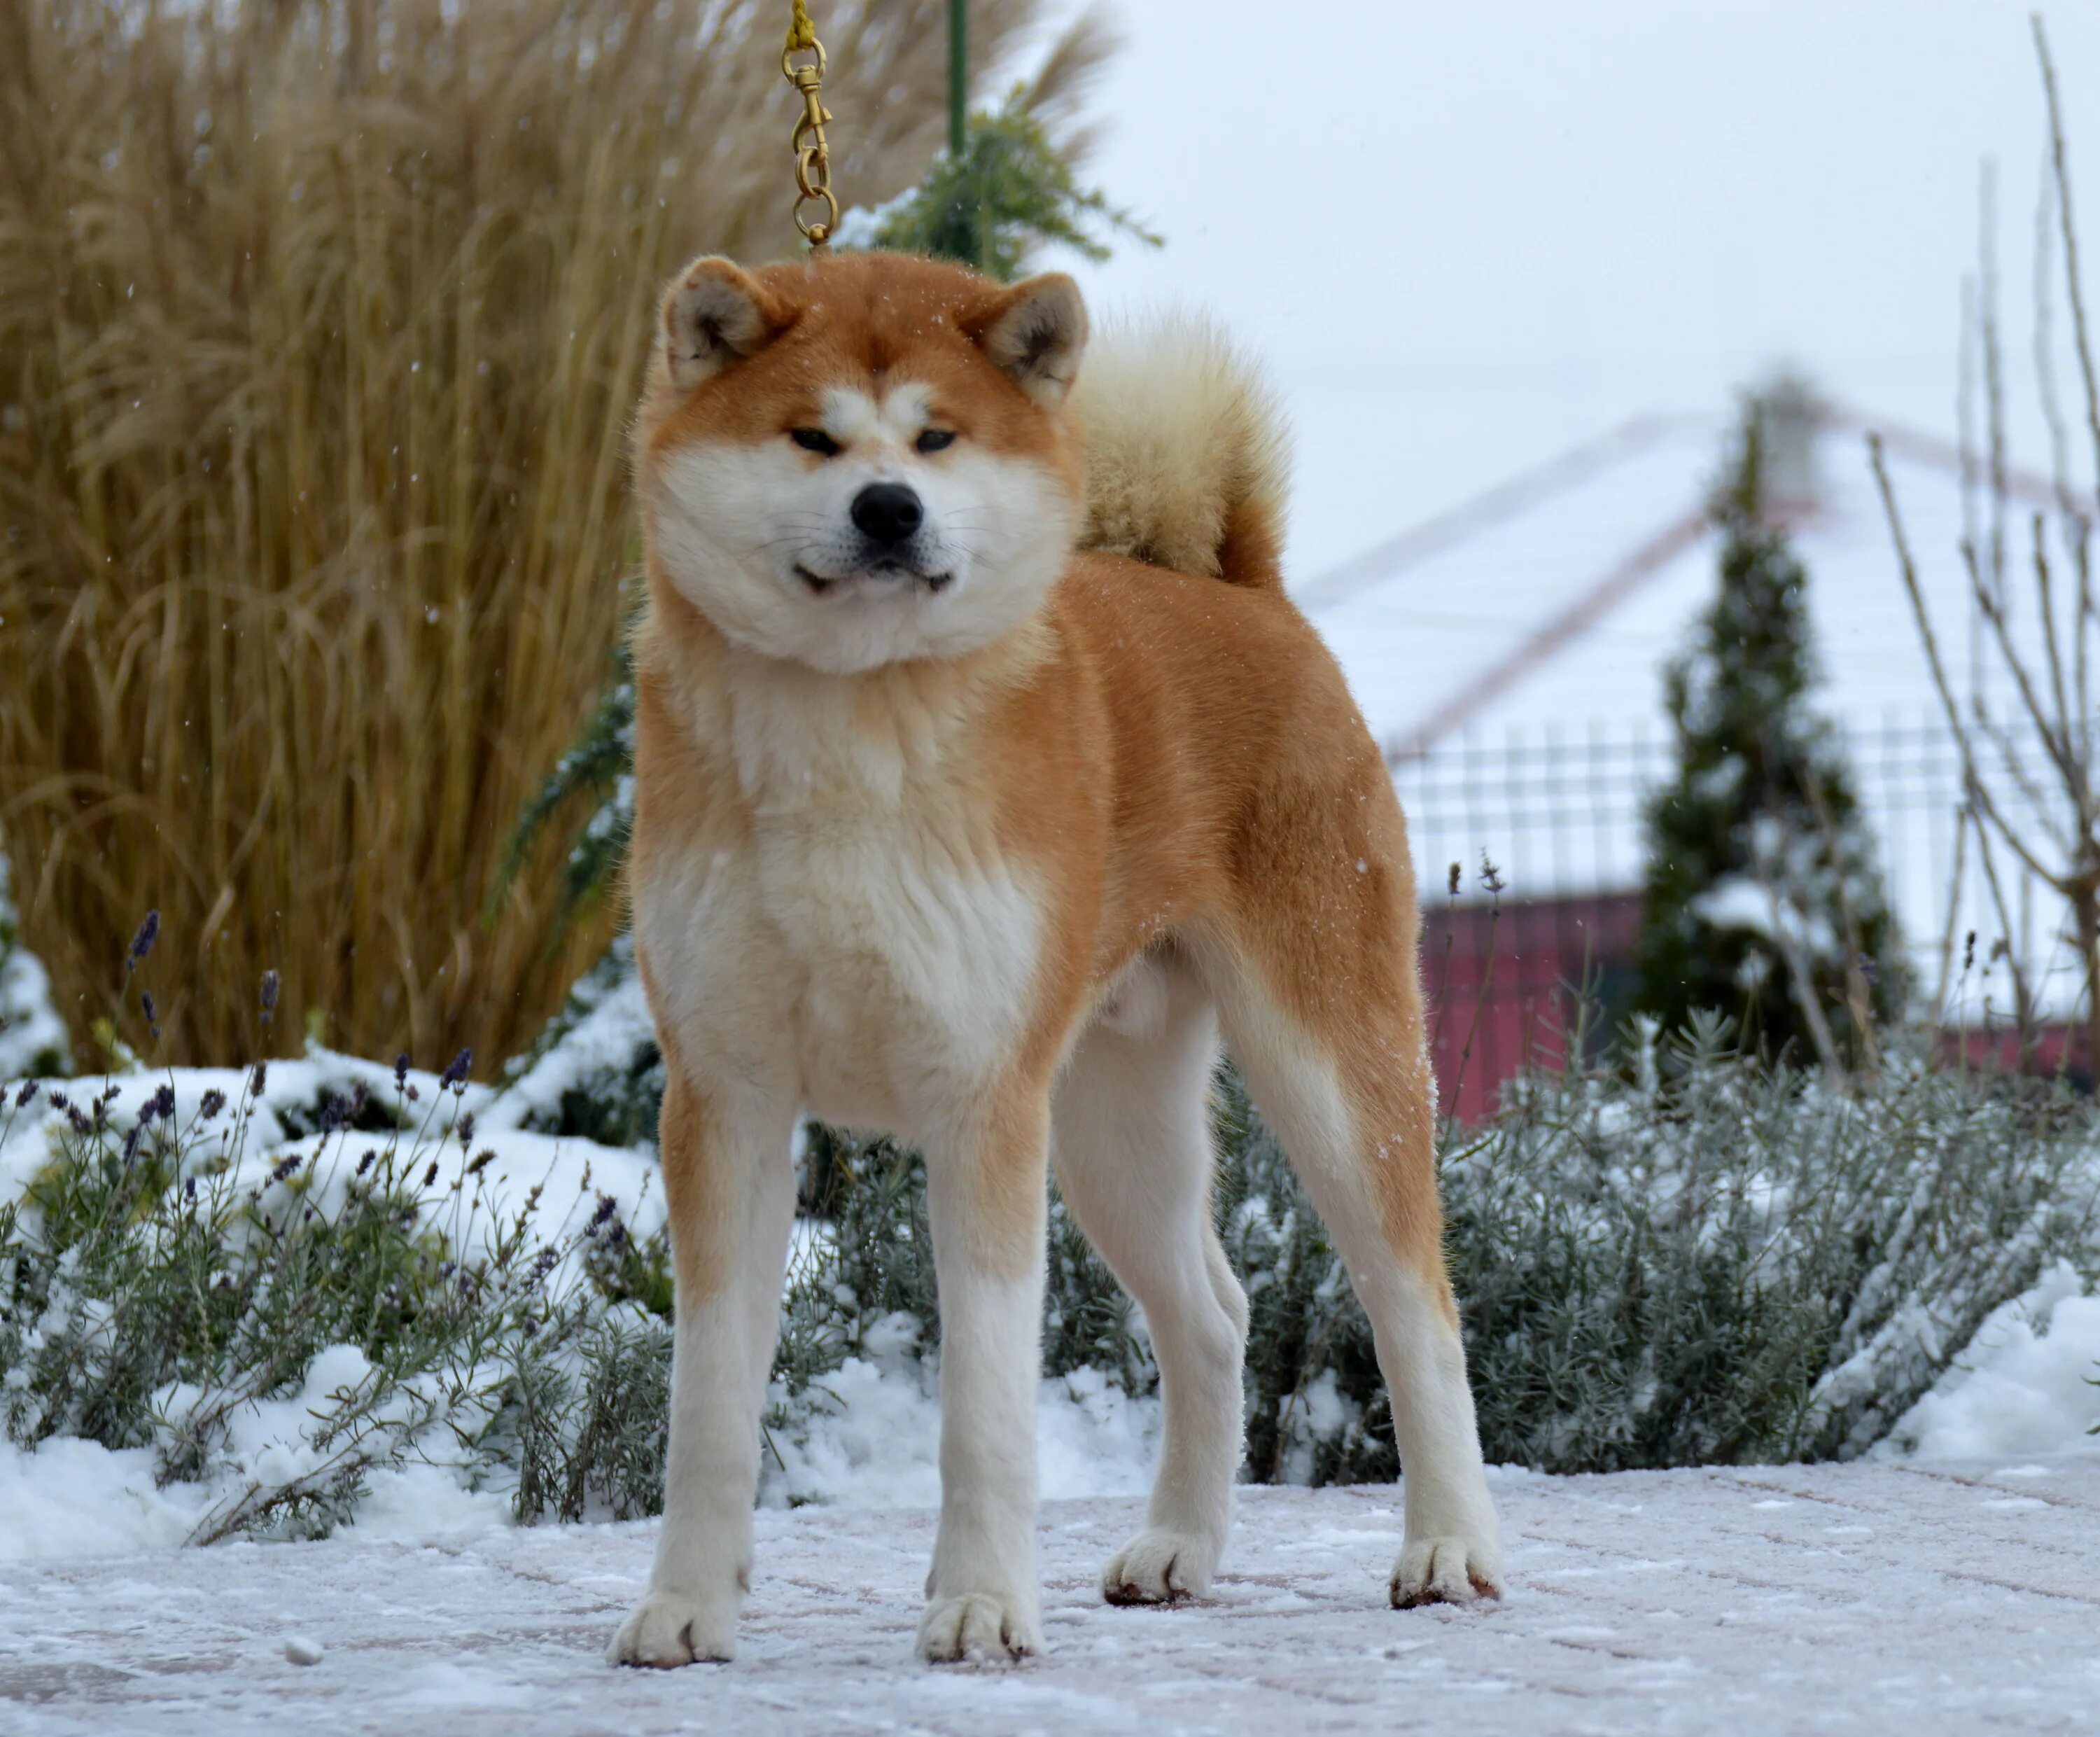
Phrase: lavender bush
[282,1279]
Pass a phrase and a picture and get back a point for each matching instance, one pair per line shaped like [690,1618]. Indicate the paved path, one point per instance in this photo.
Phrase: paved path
[1882,1598]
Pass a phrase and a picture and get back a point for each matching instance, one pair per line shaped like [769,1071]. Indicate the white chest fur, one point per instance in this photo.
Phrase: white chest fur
[866,946]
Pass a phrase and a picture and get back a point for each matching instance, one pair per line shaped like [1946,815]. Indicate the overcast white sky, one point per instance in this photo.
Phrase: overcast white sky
[1472,234]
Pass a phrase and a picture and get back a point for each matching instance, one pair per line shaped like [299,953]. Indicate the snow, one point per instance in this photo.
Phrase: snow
[74,1498]
[2028,1384]
[873,1439]
[1737,902]
[1863,1597]
[571,1173]
[70,1500]
[29,1024]
[33,1027]
[609,1026]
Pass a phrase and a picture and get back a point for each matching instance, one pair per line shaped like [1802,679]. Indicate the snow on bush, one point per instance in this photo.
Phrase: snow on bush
[280,1281]
[32,1038]
[596,1070]
[1699,1261]
[1696,1260]
[271,1301]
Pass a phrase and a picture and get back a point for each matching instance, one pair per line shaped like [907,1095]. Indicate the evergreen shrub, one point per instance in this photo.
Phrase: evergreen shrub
[1763,898]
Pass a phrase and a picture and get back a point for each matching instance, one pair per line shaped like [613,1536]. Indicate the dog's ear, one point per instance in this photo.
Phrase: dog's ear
[715,314]
[1035,331]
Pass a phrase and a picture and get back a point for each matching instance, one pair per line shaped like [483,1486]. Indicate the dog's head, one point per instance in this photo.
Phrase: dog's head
[862,459]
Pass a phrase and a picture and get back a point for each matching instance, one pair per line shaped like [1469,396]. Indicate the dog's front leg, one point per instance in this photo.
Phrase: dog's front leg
[985,1193]
[729,1183]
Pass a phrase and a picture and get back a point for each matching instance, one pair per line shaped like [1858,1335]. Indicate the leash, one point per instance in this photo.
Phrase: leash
[812,154]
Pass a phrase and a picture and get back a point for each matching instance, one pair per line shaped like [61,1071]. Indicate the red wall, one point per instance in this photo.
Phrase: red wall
[1501,995]
[1501,983]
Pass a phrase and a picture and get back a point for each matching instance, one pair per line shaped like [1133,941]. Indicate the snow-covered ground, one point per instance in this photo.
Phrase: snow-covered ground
[1871,1597]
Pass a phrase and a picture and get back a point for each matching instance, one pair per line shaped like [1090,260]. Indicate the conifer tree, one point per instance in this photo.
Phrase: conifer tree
[1762,900]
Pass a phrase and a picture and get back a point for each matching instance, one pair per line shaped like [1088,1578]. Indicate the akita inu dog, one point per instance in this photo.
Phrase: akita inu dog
[985,777]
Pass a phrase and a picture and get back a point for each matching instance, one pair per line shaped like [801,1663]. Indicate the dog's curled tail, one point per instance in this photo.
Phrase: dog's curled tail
[1187,462]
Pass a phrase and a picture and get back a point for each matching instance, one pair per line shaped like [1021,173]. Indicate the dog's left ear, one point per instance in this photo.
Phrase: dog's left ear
[715,314]
[1035,331]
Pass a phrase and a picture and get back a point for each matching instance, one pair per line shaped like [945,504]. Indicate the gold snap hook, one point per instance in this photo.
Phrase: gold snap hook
[812,154]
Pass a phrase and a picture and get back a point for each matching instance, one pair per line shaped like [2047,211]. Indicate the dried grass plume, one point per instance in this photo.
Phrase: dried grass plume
[320,322]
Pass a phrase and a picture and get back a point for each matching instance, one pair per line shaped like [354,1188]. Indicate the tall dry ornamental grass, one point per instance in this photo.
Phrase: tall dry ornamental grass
[319,323]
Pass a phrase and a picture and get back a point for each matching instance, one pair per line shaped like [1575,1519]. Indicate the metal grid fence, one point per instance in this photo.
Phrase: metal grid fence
[1559,811]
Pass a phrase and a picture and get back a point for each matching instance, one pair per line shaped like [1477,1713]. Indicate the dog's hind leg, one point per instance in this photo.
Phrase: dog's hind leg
[729,1183]
[1130,1139]
[1347,1089]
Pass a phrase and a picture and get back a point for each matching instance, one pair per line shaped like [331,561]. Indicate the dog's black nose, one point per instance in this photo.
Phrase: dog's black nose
[887,512]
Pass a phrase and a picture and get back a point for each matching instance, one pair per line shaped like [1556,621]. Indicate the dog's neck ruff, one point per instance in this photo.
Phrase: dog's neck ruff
[796,734]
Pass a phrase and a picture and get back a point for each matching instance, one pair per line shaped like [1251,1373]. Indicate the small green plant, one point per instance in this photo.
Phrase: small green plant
[595,1072]
[600,766]
[1012,190]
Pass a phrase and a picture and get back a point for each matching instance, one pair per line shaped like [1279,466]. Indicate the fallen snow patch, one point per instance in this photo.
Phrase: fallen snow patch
[2028,1384]
[73,1497]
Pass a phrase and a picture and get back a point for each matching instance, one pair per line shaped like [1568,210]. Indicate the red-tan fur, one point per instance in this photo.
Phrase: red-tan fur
[1169,766]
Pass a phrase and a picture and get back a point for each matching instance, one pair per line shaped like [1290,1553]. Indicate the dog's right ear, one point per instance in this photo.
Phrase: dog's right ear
[1036,331]
[715,314]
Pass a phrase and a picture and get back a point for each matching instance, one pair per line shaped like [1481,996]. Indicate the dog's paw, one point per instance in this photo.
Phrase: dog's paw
[980,1627]
[1444,1571]
[669,1628]
[1159,1566]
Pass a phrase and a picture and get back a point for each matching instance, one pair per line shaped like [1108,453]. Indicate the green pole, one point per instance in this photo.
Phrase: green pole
[959,72]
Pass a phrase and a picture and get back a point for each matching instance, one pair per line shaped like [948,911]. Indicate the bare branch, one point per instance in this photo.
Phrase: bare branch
[2069,229]
[1961,821]
[1981,793]
[2014,766]
[2023,1000]
[2078,536]
[1994,372]
[1803,981]
[2045,345]
[1995,614]
[2074,769]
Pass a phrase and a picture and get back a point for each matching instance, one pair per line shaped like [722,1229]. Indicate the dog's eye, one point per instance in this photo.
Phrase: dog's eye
[933,439]
[813,440]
